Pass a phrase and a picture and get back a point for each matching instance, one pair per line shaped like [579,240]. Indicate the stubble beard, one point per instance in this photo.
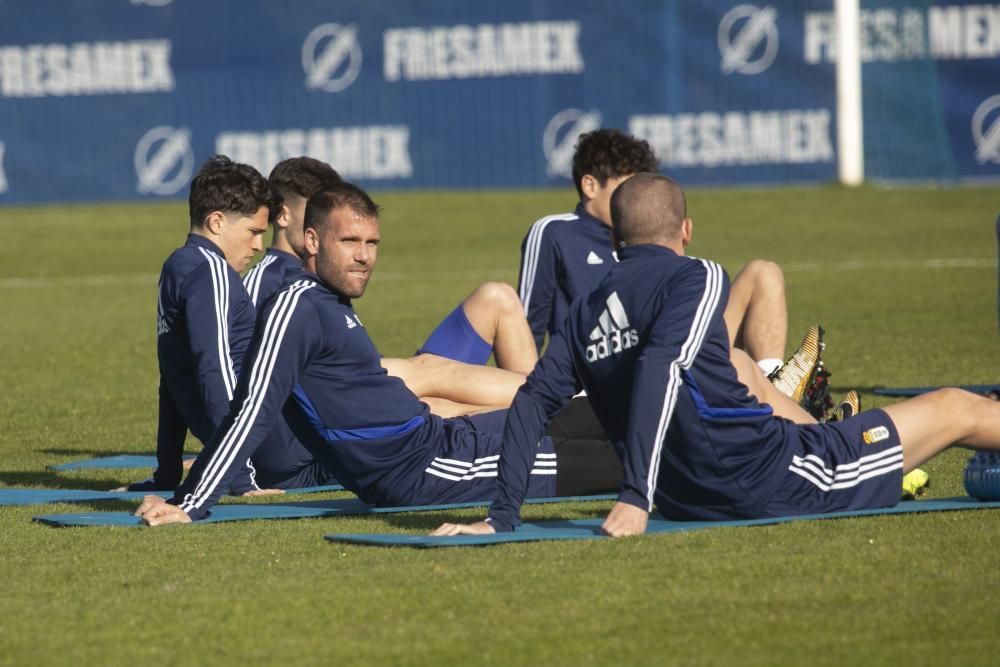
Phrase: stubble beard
[343,283]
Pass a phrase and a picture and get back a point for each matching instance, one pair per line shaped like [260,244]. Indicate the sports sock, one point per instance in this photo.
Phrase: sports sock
[770,365]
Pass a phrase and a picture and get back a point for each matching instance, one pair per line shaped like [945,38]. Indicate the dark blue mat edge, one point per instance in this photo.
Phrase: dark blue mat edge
[590,528]
[267,511]
[110,462]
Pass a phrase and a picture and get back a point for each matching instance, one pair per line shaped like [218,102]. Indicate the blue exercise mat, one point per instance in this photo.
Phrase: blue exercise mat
[120,461]
[44,496]
[304,510]
[590,529]
[917,391]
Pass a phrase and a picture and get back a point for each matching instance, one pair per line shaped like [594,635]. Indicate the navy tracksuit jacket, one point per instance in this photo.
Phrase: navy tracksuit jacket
[312,362]
[204,322]
[562,257]
[650,347]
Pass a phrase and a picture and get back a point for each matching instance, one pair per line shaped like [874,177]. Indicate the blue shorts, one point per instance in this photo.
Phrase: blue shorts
[849,465]
[465,468]
[455,338]
[283,462]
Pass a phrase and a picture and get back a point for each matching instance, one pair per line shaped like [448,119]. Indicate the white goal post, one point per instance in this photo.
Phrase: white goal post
[850,127]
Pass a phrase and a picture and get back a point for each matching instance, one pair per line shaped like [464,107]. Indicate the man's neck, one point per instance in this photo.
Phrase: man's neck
[204,233]
[280,242]
[588,207]
[674,244]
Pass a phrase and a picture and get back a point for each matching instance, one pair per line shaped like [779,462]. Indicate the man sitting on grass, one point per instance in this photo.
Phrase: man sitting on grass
[651,348]
[488,322]
[566,256]
[204,317]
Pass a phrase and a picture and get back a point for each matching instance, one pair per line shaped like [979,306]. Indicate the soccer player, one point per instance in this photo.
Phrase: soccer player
[312,361]
[566,256]
[204,317]
[450,389]
[650,346]
[294,180]
[489,321]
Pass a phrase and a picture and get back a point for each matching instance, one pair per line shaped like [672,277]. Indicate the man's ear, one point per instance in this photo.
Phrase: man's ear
[214,222]
[311,241]
[589,186]
[282,220]
[687,228]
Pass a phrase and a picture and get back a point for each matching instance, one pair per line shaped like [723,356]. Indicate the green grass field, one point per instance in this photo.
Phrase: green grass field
[904,281]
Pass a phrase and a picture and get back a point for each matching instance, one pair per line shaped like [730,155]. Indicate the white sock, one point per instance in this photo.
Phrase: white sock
[770,365]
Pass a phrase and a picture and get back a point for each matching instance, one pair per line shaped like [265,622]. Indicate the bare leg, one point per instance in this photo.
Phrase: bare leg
[442,407]
[428,375]
[931,423]
[757,315]
[750,374]
[496,313]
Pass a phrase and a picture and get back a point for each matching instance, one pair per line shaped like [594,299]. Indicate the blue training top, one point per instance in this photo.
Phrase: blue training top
[312,360]
[270,275]
[279,454]
[650,347]
[204,322]
[562,257]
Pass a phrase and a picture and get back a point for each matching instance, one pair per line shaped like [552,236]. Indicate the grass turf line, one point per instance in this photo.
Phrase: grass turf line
[79,379]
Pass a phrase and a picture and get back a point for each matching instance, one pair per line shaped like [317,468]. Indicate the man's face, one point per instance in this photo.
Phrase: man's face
[598,197]
[295,215]
[240,237]
[348,247]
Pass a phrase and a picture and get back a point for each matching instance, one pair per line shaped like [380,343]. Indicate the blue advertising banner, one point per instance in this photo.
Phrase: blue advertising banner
[123,99]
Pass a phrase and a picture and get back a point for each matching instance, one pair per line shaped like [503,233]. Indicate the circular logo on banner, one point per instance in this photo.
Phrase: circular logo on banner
[986,131]
[331,57]
[559,139]
[748,39]
[164,160]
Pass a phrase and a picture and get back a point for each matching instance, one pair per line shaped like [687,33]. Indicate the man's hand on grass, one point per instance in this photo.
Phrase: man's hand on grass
[624,520]
[478,528]
[156,511]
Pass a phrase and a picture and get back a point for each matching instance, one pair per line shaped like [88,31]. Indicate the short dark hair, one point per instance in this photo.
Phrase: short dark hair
[646,208]
[340,195]
[230,187]
[303,177]
[608,153]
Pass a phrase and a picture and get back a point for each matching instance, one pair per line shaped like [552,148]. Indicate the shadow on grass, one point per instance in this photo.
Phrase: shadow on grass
[988,390]
[89,507]
[424,521]
[94,453]
[55,480]
[428,521]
